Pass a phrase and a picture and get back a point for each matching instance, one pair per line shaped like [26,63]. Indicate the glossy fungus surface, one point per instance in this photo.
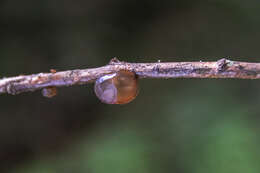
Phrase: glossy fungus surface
[117,88]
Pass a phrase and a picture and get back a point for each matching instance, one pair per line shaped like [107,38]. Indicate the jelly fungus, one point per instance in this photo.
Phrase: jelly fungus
[49,92]
[117,88]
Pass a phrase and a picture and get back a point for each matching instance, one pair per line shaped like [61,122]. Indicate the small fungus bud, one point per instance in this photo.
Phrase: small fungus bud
[49,92]
[117,88]
[53,71]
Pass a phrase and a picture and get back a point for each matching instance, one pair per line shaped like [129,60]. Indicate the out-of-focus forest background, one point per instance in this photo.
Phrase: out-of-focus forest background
[176,125]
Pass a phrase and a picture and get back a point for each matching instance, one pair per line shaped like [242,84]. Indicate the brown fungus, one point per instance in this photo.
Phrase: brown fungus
[117,88]
[49,92]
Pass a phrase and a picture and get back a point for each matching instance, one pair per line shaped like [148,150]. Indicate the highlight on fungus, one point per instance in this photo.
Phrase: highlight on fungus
[49,92]
[117,88]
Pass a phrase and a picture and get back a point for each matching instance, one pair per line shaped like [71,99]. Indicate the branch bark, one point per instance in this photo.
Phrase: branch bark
[222,68]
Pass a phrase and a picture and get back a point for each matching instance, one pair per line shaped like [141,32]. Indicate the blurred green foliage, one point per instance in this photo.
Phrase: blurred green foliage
[180,125]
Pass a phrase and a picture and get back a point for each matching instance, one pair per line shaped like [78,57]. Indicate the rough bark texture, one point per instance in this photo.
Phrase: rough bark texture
[222,68]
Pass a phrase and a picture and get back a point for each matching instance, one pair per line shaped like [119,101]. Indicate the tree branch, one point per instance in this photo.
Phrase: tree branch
[222,68]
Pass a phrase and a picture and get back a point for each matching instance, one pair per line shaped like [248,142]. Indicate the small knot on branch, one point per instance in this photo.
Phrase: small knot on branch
[10,89]
[223,64]
[14,88]
[114,60]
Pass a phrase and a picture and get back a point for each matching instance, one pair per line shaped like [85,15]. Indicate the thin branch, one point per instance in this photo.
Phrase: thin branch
[222,68]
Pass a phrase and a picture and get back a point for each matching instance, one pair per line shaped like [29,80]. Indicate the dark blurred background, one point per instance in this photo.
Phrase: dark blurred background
[176,125]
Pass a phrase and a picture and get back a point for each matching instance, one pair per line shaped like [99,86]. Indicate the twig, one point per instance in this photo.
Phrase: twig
[222,68]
